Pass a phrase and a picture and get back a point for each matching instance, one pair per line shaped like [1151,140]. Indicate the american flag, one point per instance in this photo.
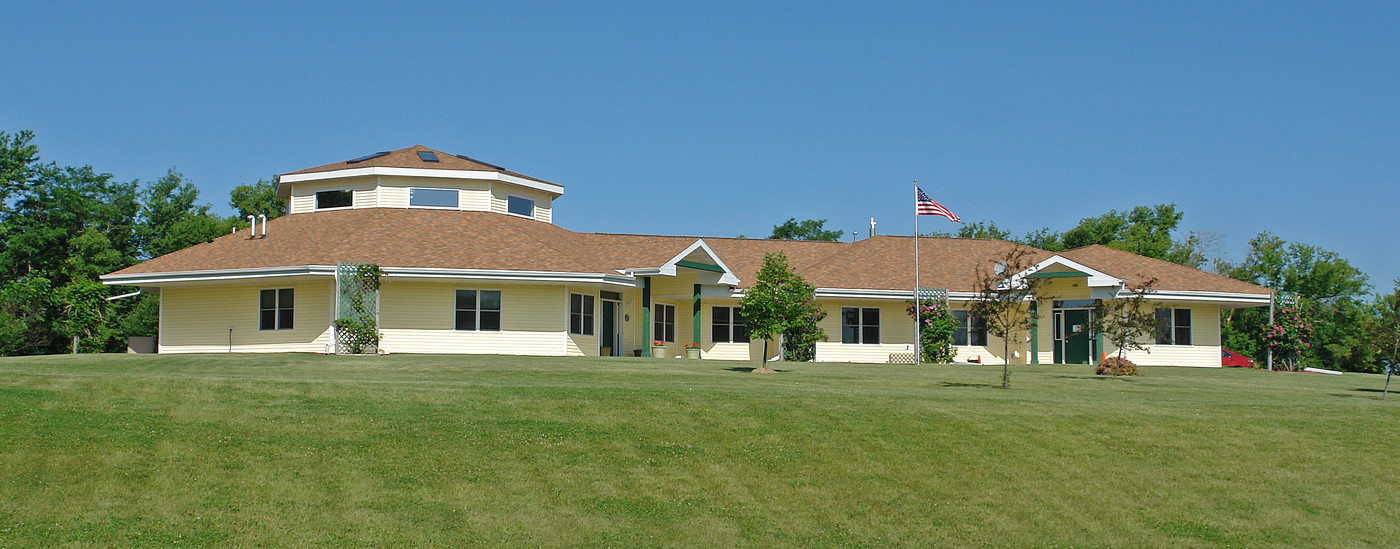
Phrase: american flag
[923,205]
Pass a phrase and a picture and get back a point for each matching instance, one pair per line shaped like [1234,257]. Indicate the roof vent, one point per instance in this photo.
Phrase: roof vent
[367,157]
[428,156]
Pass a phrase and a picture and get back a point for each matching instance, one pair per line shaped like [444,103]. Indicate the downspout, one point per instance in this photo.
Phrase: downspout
[124,296]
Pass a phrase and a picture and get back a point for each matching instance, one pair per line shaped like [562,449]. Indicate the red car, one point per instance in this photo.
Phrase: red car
[1231,358]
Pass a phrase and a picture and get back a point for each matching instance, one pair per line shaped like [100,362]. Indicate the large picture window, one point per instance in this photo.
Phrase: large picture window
[727,325]
[860,325]
[1174,327]
[479,310]
[432,198]
[972,329]
[663,325]
[520,206]
[275,309]
[581,314]
[334,199]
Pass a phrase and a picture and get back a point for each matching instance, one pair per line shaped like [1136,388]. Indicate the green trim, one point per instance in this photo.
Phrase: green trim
[695,316]
[1035,332]
[646,316]
[1057,274]
[1098,348]
[703,266]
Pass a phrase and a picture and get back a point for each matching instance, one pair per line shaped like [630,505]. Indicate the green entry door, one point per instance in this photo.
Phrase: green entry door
[610,338]
[1076,334]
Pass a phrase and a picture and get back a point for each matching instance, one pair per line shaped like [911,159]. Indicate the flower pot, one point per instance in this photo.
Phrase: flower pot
[692,352]
[658,351]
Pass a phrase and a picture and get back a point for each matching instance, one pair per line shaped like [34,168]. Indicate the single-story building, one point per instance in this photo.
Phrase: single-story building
[472,263]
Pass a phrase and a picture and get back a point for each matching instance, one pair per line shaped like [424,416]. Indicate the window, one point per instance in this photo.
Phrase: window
[972,329]
[1174,327]
[581,314]
[275,309]
[479,310]
[433,198]
[727,325]
[663,326]
[334,199]
[860,325]
[520,206]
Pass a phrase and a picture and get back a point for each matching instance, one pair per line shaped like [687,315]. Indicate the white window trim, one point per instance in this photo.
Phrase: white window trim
[457,207]
[534,206]
[1171,327]
[966,324]
[277,320]
[730,325]
[656,318]
[593,315]
[316,205]
[478,291]
[860,326]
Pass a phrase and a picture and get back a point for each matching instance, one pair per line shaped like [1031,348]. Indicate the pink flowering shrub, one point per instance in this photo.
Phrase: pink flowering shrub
[936,327]
[1116,366]
[1289,337]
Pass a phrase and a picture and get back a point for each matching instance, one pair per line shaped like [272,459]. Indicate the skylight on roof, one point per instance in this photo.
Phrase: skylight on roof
[367,157]
[465,157]
[428,156]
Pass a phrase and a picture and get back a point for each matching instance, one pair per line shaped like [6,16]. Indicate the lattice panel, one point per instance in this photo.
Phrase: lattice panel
[357,299]
[939,295]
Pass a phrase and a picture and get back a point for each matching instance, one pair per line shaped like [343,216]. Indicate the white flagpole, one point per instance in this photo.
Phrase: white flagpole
[918,307]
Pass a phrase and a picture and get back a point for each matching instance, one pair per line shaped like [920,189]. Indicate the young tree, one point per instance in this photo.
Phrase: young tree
[781,302]
[807,229]
[1002,297]
[1125,320]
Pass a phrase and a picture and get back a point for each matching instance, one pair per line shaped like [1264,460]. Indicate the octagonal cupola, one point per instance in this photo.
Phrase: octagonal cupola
[418,177]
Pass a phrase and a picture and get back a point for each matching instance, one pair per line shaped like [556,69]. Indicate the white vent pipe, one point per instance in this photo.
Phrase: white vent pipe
[263,217]
[252,226]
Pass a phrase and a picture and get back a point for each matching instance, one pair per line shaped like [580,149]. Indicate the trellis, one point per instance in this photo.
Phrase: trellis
[938,295]
[357,308]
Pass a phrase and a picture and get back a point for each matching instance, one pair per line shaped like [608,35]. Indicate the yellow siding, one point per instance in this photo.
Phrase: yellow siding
[197,319]
[304,194]
[472,195]
[896,333]
[420,317]
[1204,351]
[499,192]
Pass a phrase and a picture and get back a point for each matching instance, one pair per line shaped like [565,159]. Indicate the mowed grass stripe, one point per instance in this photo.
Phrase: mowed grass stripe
[429,450]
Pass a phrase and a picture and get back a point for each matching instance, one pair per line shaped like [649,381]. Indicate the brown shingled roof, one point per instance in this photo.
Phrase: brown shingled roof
[408,158]
[1170,276]
[393,237]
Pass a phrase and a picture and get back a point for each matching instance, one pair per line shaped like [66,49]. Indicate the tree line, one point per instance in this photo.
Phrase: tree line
[1353,329]
[61,227]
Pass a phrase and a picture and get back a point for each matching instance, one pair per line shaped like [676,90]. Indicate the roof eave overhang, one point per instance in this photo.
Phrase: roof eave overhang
[1095,278]
[285,181]
[229,275]
[1220,298]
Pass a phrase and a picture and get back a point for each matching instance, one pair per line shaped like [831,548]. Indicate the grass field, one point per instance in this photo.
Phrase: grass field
[444,451]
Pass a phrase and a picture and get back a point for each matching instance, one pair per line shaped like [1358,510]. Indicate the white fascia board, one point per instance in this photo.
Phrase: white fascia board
[726,278]
[522,276]
[215,275]
[556,190]
[1097,278]
[156,279]
[1217,297]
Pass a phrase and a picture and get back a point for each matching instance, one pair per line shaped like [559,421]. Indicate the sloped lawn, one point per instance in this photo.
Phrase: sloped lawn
[227,450]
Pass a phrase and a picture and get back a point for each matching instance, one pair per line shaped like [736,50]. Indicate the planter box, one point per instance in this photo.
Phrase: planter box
[692,353]
[658,351]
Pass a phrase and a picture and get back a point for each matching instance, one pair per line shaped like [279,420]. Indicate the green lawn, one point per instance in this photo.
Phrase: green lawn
[444,451]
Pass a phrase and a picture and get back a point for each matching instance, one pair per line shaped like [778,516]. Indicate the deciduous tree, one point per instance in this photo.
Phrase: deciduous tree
[781,302]
[1002,297]
[807,229]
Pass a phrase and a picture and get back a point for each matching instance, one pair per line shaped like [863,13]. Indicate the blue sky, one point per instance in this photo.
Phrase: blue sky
[721,119]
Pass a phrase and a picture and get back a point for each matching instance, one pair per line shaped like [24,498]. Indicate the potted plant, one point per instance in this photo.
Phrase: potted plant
[692,350]
[658,349]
